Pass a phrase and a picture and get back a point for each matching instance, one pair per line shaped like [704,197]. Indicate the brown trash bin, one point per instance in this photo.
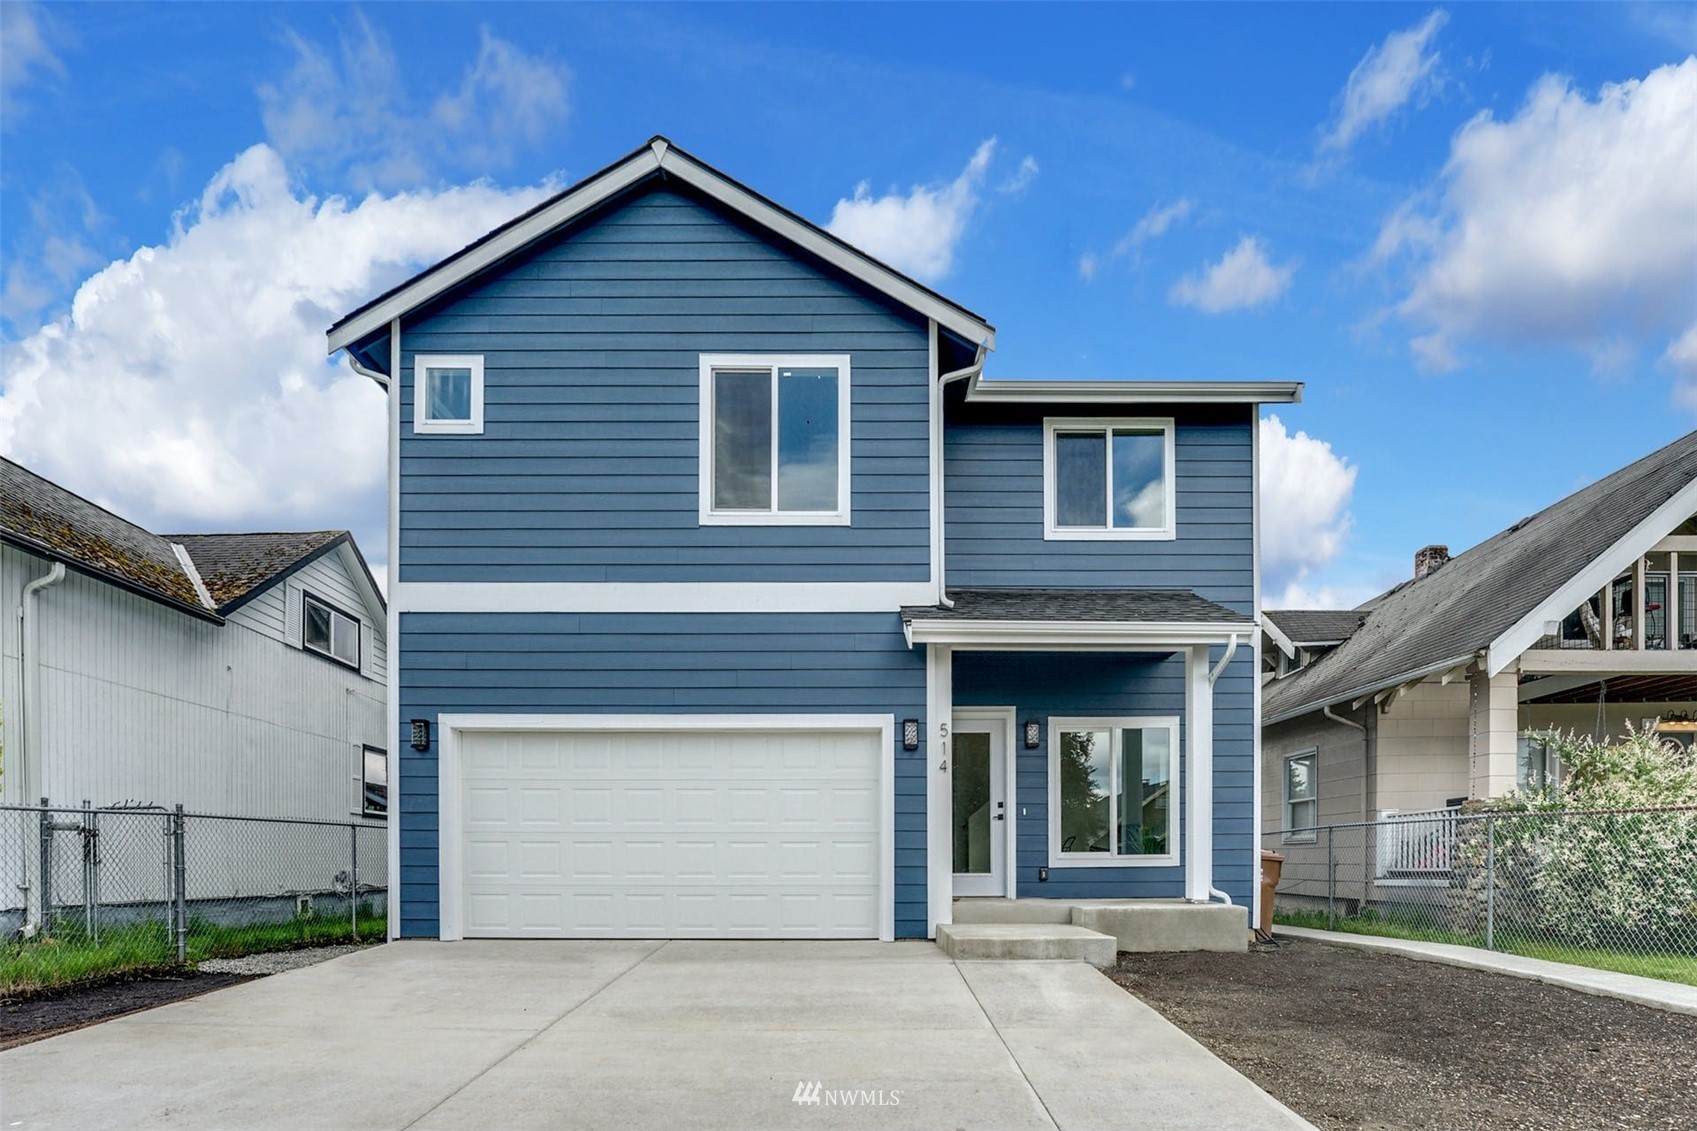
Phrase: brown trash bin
[1272,865]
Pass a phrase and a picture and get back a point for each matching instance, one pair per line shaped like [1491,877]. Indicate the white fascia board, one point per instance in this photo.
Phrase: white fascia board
[1136,392]
[662,157]
[463,266]
[1505,649]
[883,724]
[658,596]
[1066,635]
[188,565]
[1409,677]
[1284,642]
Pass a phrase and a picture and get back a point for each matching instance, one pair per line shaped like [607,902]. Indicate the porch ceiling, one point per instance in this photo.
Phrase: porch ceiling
[1621,689]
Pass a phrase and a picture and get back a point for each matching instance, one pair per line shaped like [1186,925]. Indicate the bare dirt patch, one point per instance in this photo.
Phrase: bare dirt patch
[59,1011]
[1350,1039]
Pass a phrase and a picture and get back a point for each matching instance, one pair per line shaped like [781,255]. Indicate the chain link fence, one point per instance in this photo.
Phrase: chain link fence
[86,891]
[1612,889]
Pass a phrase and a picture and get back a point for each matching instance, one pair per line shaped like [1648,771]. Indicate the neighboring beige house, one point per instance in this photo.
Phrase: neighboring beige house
[1582,617]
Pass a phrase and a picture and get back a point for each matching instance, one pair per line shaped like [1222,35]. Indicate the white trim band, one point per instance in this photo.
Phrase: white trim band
[1071,635]
[658,596]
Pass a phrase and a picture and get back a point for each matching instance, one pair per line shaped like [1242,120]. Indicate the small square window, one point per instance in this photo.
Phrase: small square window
[448,398]
[1108,479]
[374,782]
[774,440]
[330,632]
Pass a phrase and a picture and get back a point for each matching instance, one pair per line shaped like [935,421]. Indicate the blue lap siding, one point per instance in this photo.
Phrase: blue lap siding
[463,663]
[1042,686]
[587,469]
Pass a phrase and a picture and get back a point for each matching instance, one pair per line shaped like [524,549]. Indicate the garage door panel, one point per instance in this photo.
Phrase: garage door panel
[692,834]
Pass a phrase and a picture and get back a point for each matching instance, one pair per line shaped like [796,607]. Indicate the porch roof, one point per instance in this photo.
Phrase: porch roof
[1065,618]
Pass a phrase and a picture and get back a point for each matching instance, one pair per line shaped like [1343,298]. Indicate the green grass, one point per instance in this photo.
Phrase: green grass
[68,956]
[1666,967]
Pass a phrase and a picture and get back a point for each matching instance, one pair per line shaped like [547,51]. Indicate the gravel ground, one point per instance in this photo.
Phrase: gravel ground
[1352,1039]
[59,1011]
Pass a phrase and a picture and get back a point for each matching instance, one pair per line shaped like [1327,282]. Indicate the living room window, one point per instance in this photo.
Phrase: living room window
[1302,796]
[774,439]
[329,631]
[1113,785]
[1108,479]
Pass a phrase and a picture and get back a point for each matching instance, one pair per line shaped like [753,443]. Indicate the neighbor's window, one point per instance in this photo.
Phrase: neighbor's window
[449,396]
[1535,764]
[374,782]
[1302,796]
[330,632]
[774,439]
[1115,789]
[1108,479]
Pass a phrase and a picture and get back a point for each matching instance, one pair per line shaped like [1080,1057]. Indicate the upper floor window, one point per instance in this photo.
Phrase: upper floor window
[448,397]
[329,631]
[1108,479]
[775,439]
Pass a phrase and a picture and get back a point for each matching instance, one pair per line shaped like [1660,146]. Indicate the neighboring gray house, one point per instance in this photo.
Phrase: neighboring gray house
[1582,617]
[731,600]
[229,673]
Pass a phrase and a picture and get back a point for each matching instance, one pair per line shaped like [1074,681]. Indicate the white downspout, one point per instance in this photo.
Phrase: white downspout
[1327,712]
[973,371]
[1219,669]
[29,762]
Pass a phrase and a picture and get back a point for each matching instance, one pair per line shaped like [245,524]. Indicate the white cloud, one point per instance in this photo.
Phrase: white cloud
[1320,595]
[1022,177]
[1681,357]
[1305,494]
[1243,277]
[916,231]
[187,386]
[1154,224]
[1572,222]
[1402,68]
[1088,265]
[349,113]
[25,54]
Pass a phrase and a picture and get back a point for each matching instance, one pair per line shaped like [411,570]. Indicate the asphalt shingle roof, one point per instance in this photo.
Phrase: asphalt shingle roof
[233,565]
[1315,626]
[1152,606]
[1475,597]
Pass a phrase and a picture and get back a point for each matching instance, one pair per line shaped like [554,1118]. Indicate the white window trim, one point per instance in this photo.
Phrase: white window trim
[308,599]
[1175,809]
[1306,835]
[1052,532]
[704,466]
[426,361]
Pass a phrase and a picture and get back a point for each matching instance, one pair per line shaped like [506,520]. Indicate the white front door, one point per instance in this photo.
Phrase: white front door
[978,814]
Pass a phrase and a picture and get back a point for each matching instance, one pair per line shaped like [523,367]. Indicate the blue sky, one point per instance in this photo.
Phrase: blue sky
[1471,231]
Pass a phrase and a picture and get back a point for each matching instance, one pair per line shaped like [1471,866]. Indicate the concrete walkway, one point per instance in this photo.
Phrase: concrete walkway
[639,1035]
[1672,996]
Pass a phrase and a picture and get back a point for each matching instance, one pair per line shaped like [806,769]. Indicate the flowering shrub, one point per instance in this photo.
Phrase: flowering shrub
[1609,878]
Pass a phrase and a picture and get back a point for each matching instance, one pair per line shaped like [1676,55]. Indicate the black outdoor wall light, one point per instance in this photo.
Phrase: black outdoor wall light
[1033,733]
[910,734]
[421,734]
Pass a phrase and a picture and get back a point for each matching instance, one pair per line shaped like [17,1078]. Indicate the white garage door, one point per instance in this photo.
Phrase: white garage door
[731,834]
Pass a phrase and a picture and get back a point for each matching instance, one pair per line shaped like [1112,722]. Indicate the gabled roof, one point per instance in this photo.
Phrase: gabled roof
[238,567]
[1313,627]
[655,160]
[1493,600]
[44,518]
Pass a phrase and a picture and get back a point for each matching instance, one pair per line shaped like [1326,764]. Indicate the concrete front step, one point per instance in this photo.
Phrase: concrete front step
[1135,924]
[1003,941]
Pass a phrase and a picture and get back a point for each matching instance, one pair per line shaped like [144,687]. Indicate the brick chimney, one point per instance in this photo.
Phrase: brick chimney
[1428,558]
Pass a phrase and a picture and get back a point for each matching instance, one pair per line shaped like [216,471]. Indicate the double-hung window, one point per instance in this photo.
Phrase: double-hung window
[329,631]
[1113,785]
[1302,796]
[1108,479]
[448,394]
[774,439]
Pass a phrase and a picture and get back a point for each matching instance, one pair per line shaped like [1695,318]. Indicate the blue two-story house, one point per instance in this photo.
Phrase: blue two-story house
[729,600]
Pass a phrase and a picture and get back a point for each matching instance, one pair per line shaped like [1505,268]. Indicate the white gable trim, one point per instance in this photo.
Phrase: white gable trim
[1272,630]
[1505,649]
[659,156]
[187,563]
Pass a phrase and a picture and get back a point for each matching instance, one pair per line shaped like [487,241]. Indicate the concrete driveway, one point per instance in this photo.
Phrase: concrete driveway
[641,1034]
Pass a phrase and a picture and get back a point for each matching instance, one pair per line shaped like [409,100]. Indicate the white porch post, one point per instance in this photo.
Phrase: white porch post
[1199,775]
[939,711]
[1493,732]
